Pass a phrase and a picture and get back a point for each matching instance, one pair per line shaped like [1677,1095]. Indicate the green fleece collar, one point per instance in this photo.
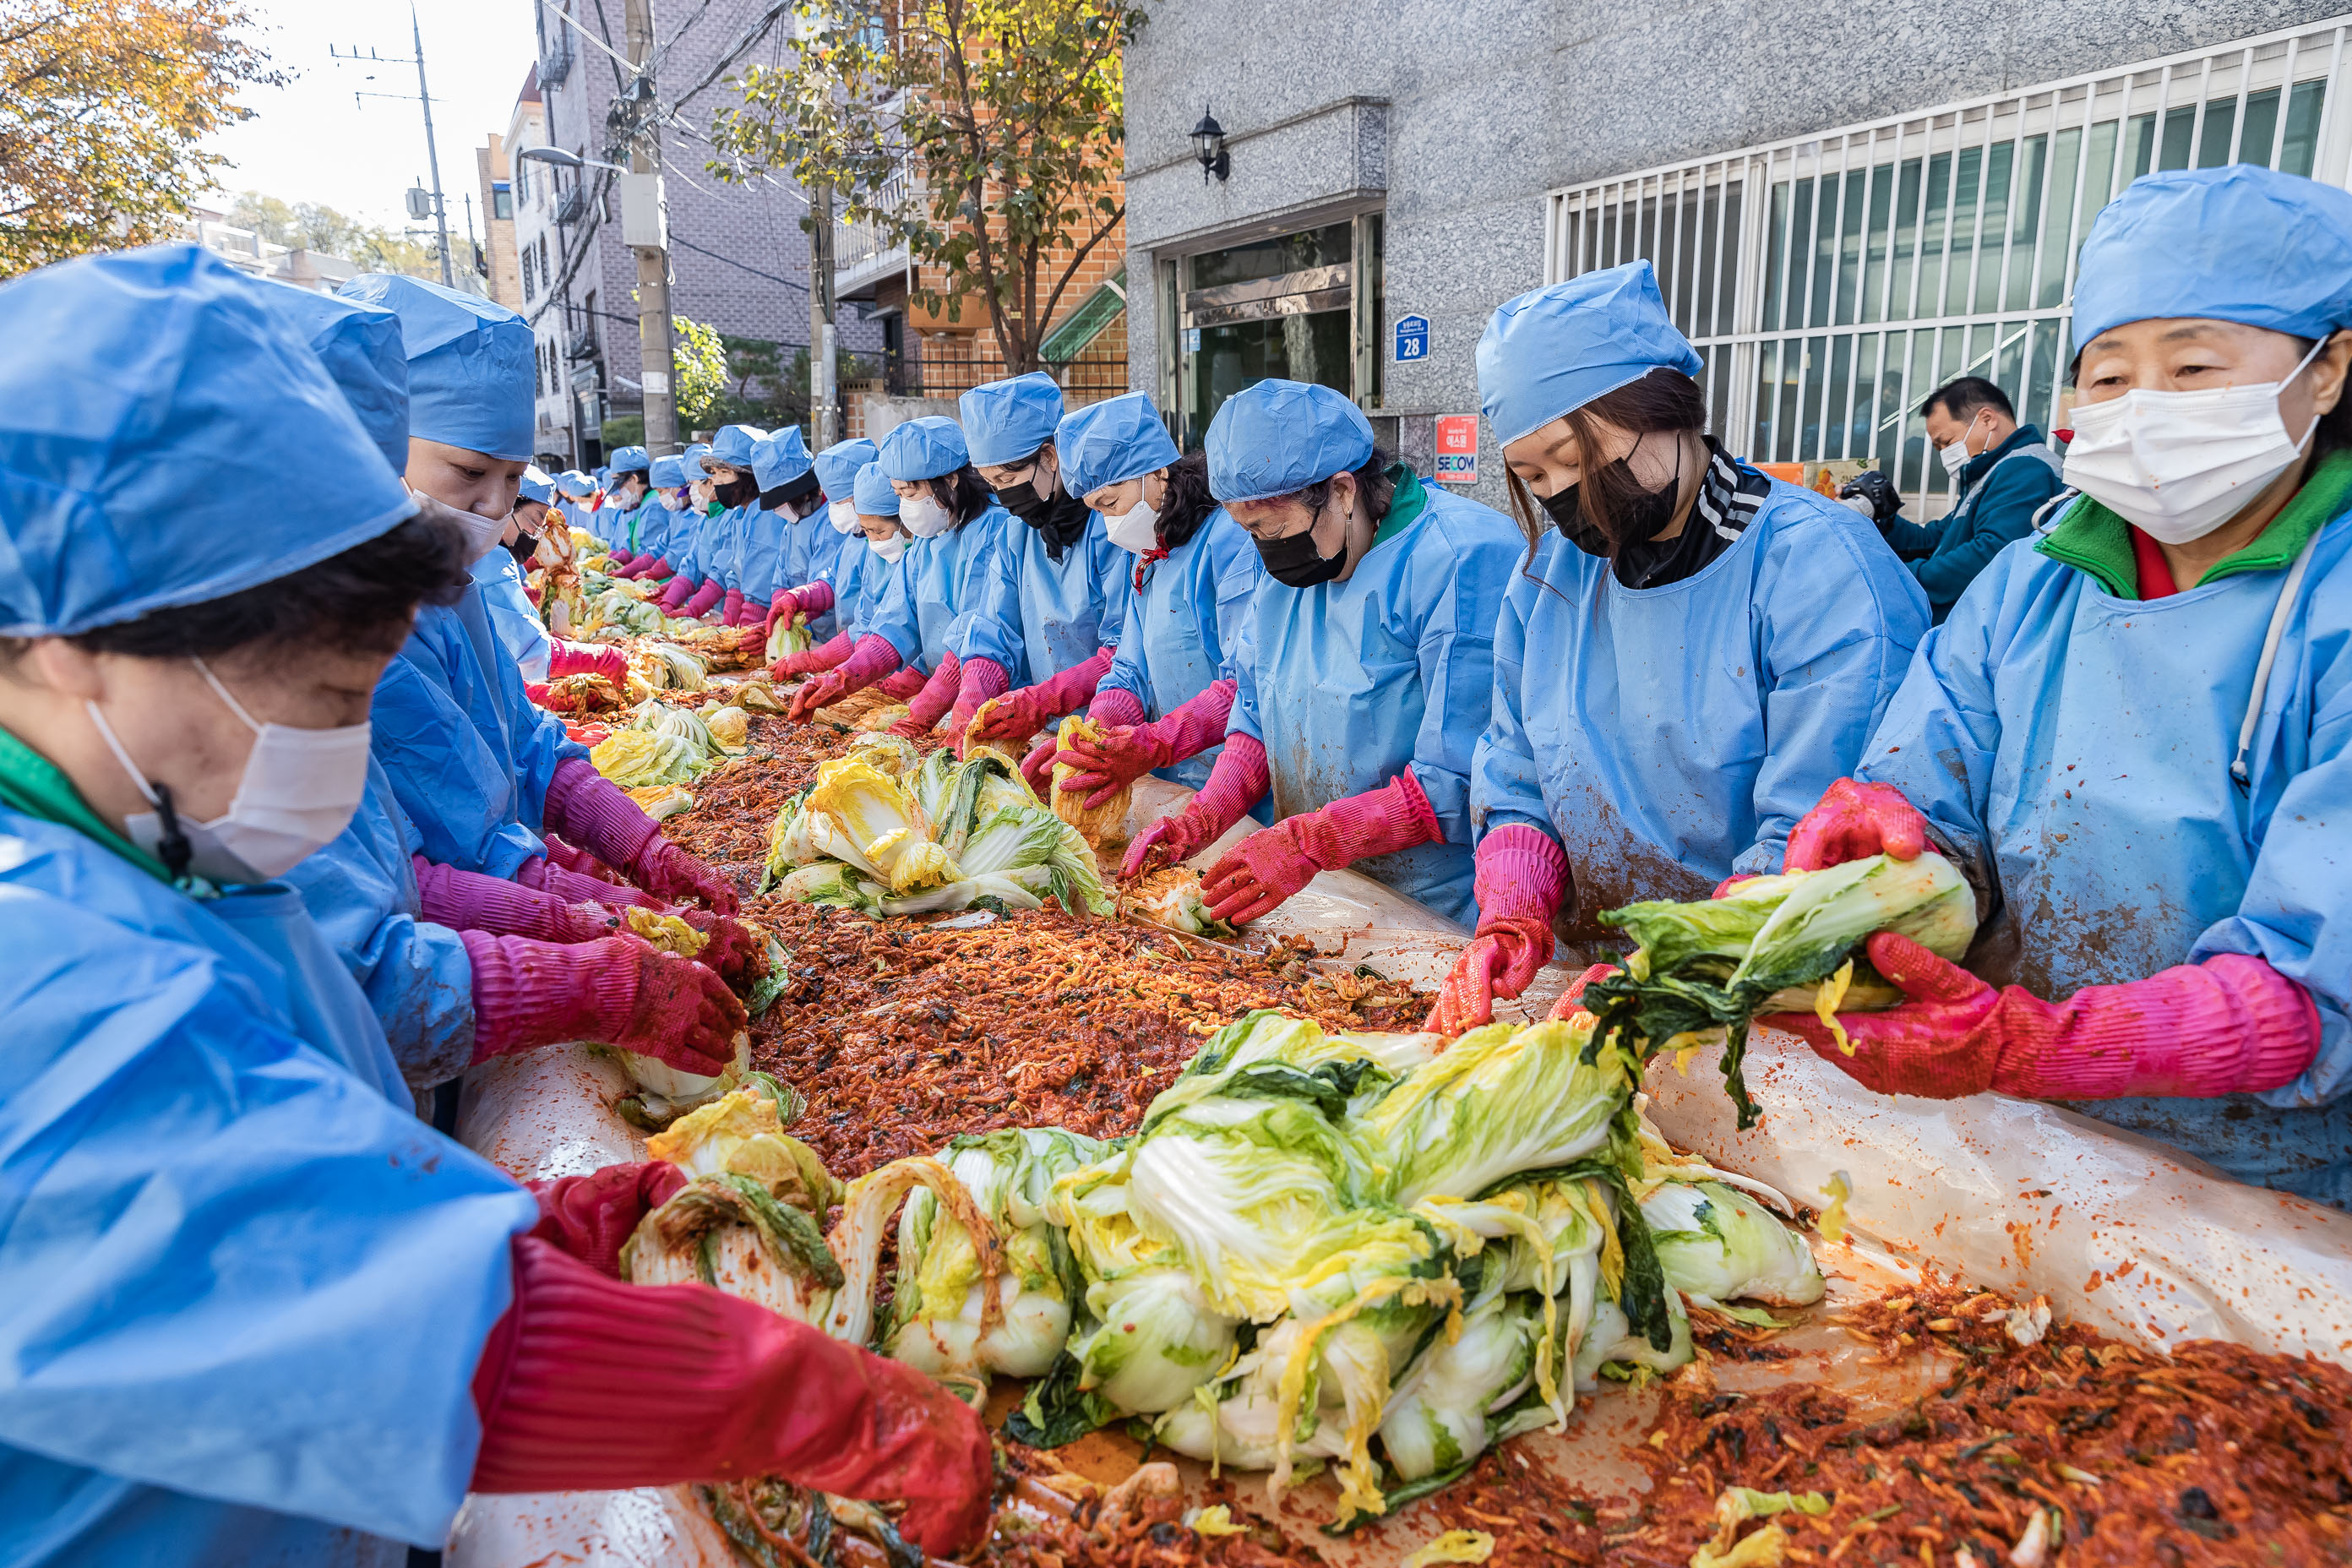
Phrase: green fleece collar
[2093,540]
[1405,507]
[31,783]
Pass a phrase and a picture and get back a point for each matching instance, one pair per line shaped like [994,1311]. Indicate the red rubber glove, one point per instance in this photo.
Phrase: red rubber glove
[749,612]
[869,660]
[730,608]
[1572,999]
[673,596]
[1118,706]
[814,661]
[2231,1024]
[1122,757]
[1723,888]
[468,901]
[652,569]
[1038,767]
[615,560]
[587,658]
[589,1217]
[698,603]
[982,680]
[931,703]
[575,888]
[744,1393]
[731,945]
[1854,822]
[619,992]
[588,809]
[1021,715]
[1521,881]
[1257,874]
[904,685]
[1237,783]
[578,861]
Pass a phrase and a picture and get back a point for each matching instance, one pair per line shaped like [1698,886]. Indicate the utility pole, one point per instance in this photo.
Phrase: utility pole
[656,344]
[432,156]
[824,397]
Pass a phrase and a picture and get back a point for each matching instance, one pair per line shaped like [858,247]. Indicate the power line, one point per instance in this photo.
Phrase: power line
[730,261]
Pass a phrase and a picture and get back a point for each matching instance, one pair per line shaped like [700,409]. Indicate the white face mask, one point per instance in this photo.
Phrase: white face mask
[2180,463]
[842,515]
[924,517]
[299,791]
[889,549]
[671,501]
[1957,456]
[481,533]
[1136,528]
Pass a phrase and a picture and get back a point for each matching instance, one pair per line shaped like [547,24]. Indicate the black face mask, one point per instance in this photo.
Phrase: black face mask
[1062,519]
[737,493]
[1644,512]
[1294,563]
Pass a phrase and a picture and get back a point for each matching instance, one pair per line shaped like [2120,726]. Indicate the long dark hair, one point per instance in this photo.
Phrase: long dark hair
[1188,503]
[962,493]
[1663,401]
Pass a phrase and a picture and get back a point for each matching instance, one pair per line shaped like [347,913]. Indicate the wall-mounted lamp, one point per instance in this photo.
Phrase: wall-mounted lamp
[1209,146]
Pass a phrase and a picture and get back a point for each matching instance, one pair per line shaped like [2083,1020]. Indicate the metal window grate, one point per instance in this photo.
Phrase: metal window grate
[1831,281]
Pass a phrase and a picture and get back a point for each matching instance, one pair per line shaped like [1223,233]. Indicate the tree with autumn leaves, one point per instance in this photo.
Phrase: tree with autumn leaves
[104,105]
[1008,114]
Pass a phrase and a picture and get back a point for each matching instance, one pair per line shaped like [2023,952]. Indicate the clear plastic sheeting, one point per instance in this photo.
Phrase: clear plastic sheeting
[664,1527]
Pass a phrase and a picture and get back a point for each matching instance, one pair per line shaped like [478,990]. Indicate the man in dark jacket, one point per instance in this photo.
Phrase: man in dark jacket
[2006,473]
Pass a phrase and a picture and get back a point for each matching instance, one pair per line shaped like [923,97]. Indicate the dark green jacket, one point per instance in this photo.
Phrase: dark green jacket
[2000,492]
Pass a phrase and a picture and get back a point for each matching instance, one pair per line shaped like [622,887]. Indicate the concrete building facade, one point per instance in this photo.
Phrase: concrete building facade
[1847,203]
[494,182]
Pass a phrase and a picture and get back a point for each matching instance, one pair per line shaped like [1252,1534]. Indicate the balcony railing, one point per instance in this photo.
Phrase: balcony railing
[861,248]
[570,205]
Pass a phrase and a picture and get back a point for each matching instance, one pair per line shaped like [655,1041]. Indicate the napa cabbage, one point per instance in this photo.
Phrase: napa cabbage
[1717,1245]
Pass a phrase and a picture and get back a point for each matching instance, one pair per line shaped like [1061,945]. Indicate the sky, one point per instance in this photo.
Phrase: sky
[311,141]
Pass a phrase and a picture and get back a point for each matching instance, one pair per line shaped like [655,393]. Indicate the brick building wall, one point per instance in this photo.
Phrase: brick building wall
[493,180]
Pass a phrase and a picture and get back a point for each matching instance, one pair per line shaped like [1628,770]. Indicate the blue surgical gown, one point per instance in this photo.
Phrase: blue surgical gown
[1669,737]
[1183,626]
[1054,614]
[521,632]
[242,1287]
[815,552]
[931,600]
[760,561]
[2072,748]
[361,892]
[1348,684]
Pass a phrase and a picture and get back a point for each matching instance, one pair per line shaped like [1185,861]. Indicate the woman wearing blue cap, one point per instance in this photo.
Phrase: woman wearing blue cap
[1691,654]
[1363,680]
[925,619]
[254,1311]
[623,495]
[2130,734]
[863,575]
[730,494]
[818,550]
[1164,705]
[698,538]
[783,483]
[1060,599]
[658,520]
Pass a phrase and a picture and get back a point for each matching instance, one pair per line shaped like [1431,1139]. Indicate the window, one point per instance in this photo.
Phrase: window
[530,284]
[501,200]
[1832,281]
[522,181]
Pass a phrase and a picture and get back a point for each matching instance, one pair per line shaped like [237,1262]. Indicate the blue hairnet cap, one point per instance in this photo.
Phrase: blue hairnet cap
[924,448]
[669,473]
[1283,435]
[360,347]
[631,460]
[575,484]
[735,444]
[781,459]
[1553,350]
[692,457]
[1006,421]
[837,465]
[2240,243]
[536,486]
[471,364]
[164,440]
[872,490]
[1112,442]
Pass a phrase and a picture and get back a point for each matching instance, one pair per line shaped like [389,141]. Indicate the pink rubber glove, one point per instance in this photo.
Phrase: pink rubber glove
[2231,1024]
[749,613]
[698,603]
[905,685]
[983,680]
[1237,783]
[1854,822]
[675,596]
[1122,757]
[1038,767]
[815,661]
[869,660]
[730,608]
[1116,706]
[652,569]
[618,992]
[468,901]
[587,658]
[576,888]
[1572,999]
[589,1217]
[1275,862]
[1521,881]
[744,1393]
[616,560]
[933,702]
[1723,888]
[1021,715]
[578,861]
[588,809]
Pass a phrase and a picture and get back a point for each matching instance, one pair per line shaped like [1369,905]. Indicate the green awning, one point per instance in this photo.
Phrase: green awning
[1083,325]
